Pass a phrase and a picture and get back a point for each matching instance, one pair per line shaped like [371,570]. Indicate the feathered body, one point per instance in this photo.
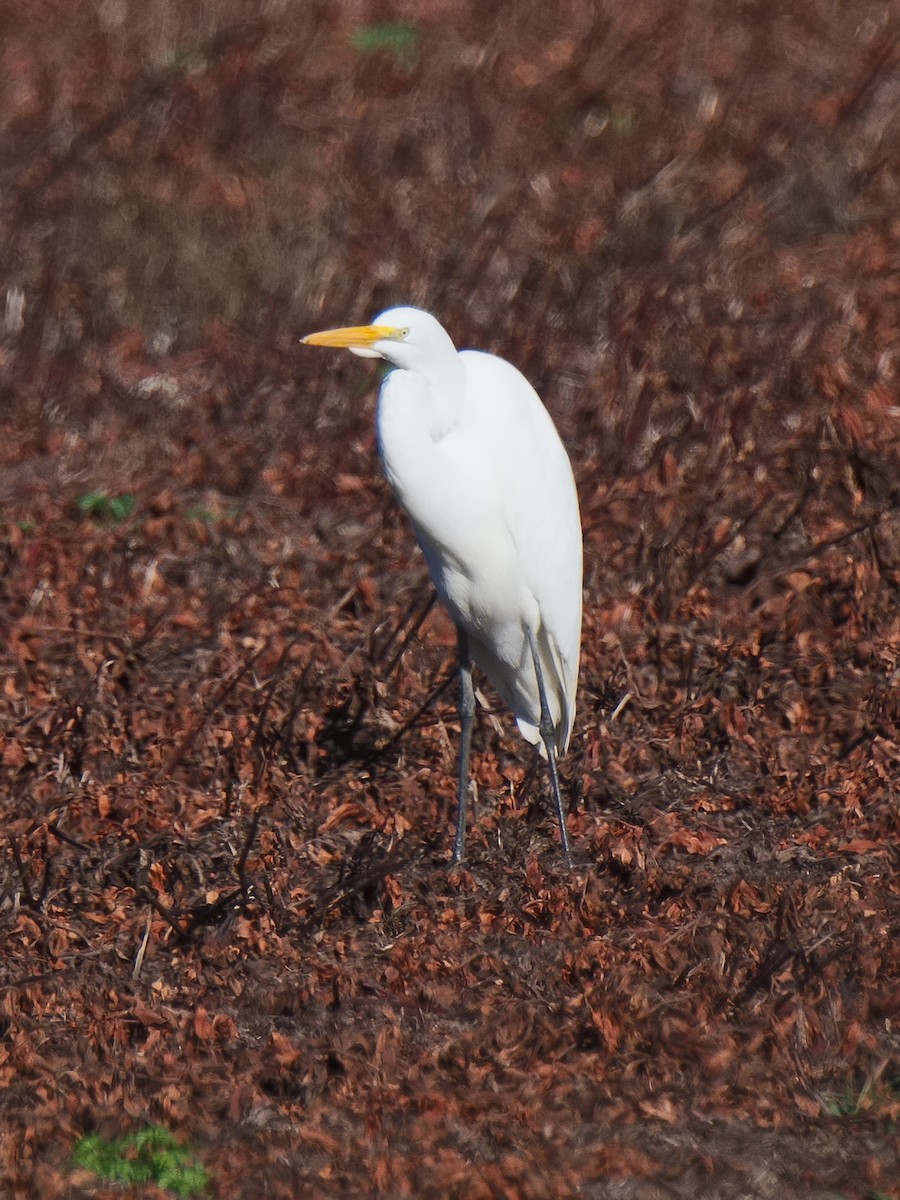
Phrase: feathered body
[476,462]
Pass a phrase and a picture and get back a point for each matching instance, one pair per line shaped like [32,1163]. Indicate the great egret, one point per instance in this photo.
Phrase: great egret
[476,462]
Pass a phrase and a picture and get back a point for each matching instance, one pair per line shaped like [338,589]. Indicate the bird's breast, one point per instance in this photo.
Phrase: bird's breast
[436,466]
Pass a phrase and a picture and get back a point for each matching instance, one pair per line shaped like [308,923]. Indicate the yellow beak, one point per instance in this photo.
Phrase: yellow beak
[353,337]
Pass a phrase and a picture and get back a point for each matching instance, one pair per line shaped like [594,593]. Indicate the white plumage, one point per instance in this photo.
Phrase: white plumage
[477,464]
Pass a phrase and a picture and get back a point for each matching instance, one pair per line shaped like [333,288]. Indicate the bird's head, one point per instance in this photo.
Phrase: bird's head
[406,337]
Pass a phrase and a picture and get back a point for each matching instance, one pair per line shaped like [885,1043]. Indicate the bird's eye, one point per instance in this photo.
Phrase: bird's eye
[403,334]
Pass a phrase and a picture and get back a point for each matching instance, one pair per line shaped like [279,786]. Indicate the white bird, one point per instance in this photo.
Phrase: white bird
[475,460]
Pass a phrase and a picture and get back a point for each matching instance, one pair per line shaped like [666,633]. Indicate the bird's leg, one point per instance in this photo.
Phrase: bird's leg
[548,736]
[466,719]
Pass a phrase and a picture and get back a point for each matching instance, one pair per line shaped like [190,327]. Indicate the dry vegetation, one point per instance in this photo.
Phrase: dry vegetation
[223,902]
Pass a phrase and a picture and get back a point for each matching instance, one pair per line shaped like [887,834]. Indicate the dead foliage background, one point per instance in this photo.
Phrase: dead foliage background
[227,757]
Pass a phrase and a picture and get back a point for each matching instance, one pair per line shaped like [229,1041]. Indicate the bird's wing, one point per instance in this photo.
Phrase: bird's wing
[540,507]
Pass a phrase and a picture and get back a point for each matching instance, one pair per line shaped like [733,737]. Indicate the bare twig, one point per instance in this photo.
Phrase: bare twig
[30,901]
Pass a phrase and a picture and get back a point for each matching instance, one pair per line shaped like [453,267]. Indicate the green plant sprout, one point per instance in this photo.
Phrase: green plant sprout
[397,38]
[149,1156]
[101,507]
[874,1096]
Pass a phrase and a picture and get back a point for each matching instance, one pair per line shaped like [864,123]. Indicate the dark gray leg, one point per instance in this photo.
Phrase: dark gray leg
[547,737]
[466,719]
